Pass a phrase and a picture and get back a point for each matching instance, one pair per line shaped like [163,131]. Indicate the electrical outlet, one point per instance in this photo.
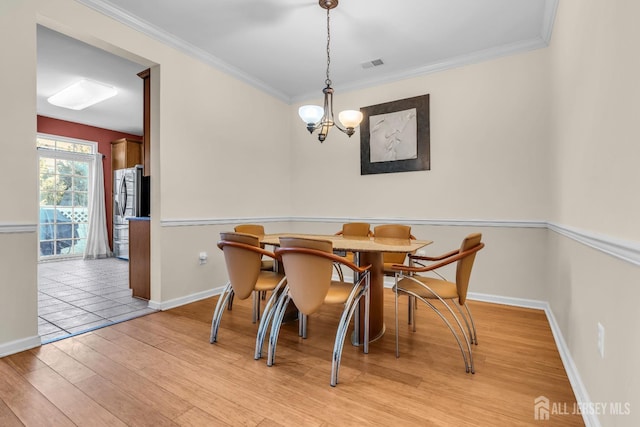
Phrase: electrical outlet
[601,339]
[203,258]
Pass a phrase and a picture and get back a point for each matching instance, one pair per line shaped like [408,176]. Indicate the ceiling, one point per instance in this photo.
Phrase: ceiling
[279,46]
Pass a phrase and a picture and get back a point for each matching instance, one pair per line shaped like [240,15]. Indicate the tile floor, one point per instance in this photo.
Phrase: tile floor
[76,296]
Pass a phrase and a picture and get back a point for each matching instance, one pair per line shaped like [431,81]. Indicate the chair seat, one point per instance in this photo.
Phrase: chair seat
[446,290]
[267,264]
[338,292]
[268,280]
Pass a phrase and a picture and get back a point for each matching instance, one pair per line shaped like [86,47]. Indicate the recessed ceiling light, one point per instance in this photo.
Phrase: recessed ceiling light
[82,94]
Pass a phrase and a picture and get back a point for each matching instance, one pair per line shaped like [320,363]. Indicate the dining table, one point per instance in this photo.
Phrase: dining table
[367,251]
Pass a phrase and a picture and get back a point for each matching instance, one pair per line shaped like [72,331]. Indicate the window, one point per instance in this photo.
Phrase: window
[65,168]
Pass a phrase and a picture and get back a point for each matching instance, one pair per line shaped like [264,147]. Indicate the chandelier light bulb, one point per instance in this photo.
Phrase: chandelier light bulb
[350,118]
[311,114]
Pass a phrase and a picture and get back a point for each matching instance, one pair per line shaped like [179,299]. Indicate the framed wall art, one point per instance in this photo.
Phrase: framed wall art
[395,136]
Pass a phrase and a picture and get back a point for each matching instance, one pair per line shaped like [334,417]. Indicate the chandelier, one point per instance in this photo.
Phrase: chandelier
[317,117]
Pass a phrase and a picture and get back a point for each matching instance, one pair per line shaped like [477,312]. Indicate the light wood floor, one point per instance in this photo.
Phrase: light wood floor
[161,370]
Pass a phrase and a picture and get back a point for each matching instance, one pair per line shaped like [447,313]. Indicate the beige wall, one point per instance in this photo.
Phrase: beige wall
[543,135]
[489,156]
[595,149]
[588,287]
[595,145]
[207,161]
[18,301]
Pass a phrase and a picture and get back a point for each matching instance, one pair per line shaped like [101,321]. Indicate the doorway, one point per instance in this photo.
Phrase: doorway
[76,295]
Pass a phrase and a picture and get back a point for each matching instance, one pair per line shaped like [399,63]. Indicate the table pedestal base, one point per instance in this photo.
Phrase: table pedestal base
[376,302]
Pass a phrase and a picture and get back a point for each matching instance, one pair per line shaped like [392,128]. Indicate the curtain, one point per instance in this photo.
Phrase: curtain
[97,236]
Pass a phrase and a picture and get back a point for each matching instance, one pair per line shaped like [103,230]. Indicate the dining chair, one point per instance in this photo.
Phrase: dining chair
[256,230]
[352,229]
[429,290]
[242,255]
[309,266]
[397,231]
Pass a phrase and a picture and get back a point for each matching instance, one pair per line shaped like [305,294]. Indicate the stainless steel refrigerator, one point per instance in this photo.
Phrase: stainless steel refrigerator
[127,202]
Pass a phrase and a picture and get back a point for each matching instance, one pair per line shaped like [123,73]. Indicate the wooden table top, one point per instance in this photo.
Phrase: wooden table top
[353,243]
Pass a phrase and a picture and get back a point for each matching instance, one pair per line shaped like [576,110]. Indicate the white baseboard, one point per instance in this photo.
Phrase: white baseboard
[177,302]
[580,391]
[516,302]
[591,420]
[19,345]
[582,397]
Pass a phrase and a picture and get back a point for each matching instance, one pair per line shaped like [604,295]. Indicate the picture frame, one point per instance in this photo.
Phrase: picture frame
[395,136]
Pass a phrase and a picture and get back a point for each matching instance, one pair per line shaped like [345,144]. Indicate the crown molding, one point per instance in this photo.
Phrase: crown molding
[549,17]
[112,11]
[448,64]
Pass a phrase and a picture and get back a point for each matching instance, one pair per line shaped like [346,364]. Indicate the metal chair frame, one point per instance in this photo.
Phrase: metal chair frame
[278,303]
[225,300]
[408,272]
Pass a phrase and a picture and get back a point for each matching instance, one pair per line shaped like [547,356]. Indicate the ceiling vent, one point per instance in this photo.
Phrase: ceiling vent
[372,63]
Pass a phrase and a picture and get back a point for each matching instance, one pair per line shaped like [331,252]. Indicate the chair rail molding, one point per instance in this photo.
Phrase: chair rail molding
[220,221]
[626,250]
[17,228]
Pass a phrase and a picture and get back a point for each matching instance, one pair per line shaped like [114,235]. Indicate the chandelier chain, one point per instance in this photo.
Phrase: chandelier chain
[328,80]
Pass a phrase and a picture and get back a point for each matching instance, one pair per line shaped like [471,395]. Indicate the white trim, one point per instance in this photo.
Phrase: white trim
[340,220]
[108,9]
[17,346]
[219,221]
[177,302]
[623,249]
[17,228]
[550,9]
[591,420]
[169,39]
[436,222]
[87,142]
[502,300]
[448,64]
[580,391]
[582,397]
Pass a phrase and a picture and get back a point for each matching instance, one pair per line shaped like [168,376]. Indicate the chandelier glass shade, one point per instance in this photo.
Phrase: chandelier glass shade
[321,118]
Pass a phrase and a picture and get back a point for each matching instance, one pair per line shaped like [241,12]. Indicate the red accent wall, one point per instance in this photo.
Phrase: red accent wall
[90,133]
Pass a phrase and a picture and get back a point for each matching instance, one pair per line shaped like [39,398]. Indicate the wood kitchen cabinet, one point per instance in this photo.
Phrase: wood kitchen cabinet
[140,257]
[126,153]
